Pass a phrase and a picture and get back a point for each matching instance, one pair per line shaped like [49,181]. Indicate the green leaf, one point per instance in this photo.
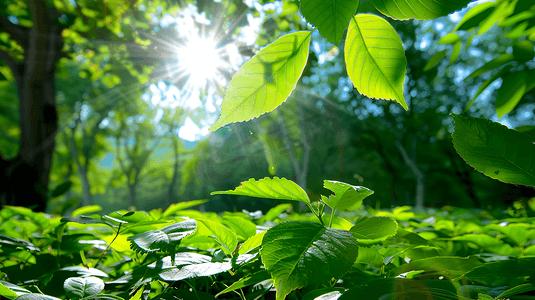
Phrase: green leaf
[486,84]
[330,17]
[266,80]
[7,292]
[370,256]
[83,272]
[509,94]
[274,212]
[271,188]
[76,287]
[523,50]
[475,16]
[222,235]
[455,52]
[519,289]
[449,267]
[397,288]
[374,229]
[375,58]
[248,280]
[242,227]
[195,270]
[162,239]
[435,59]
[85,210]
[330,293]
[293,252]
[450,38]
[175,207]
[181,259]
[346,197]
[36,297]
[484,297]
[494,150]
[251,243]
[511,268]
[493,64]
[418,9]
[489,243]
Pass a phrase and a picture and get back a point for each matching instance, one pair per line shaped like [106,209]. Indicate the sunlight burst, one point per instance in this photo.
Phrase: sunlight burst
[200,60]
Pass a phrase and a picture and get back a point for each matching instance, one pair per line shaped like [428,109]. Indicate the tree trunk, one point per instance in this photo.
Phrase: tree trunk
[132,195]
[25,178]
[420,177]
[172,184]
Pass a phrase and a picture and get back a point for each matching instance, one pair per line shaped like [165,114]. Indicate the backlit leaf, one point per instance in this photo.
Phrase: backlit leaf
[346,196]
[487,83]
[266,80]
[494,150]
[271,188]
[435,59]
[418,9]
[509,94]
[330,17]
[475,16]
[375,58]
[293,253]
[222,235]
[374,229]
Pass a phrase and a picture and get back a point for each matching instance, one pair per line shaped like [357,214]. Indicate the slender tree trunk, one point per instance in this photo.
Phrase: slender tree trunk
[174,179]
[25,178]
[132,194]
[87,198]
[420,177]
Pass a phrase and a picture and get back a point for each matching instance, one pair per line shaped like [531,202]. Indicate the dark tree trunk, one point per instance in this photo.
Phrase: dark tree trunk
[25,178]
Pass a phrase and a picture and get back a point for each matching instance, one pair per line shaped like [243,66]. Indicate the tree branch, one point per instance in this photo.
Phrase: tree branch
[17,33]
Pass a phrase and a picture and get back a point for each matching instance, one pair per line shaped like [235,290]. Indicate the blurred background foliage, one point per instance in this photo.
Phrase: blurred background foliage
[132,125]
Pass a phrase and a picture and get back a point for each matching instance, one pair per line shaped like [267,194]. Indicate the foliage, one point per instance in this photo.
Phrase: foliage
[434,254]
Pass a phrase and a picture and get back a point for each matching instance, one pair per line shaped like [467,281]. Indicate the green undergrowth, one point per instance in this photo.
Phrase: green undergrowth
[337,250]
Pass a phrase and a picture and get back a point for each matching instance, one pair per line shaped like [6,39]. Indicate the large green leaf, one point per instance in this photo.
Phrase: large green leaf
[77,287]
[494,150]
[297,254]
[449,267]
[271,188]
[164,238]
[475,15]
[418,9]
[397,288]
[266,80]
[489,243]
[511,268]
[374,229]
[195,270]
[375,58]
[330,17]
[509,94]
[346,196]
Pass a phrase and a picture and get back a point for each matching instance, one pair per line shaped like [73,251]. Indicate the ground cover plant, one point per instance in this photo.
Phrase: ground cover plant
[178,253]
[334,248]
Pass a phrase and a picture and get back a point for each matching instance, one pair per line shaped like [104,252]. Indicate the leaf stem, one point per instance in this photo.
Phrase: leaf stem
[116,235]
